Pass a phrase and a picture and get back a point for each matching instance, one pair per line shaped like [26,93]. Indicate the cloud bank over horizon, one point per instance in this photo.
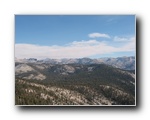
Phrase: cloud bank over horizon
[76,49]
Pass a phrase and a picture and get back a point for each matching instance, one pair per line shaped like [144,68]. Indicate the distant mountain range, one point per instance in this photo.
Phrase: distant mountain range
[126,63]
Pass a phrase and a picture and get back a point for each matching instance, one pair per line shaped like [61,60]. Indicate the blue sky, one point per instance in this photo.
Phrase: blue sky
[92,36]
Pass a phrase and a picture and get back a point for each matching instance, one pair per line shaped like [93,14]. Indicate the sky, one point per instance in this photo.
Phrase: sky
[74,36]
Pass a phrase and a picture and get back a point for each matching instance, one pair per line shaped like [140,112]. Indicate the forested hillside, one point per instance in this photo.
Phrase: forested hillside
[73,84]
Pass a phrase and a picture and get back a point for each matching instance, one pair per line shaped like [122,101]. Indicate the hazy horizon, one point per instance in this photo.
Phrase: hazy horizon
[75,58]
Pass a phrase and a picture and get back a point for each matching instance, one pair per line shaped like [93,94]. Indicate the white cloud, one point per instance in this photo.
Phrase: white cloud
[76,49]
[96,35]
[131,45]
[121,39]
[84,43]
